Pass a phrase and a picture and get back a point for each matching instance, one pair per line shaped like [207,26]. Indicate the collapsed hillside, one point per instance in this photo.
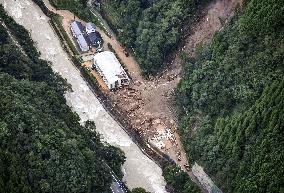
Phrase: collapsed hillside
[148,103]
[153,29]
[223,80]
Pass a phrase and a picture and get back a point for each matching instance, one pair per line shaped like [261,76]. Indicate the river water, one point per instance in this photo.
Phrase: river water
[139,170]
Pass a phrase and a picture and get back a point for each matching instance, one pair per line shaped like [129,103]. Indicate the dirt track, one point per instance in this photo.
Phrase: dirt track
[147,103]
[132,65]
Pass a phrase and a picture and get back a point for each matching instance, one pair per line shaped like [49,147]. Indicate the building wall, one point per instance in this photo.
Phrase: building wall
[108,62]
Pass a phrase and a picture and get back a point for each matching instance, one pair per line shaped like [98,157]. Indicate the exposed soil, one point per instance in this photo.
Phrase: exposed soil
[215,14]
[131,63]
[147,103]
[138,169]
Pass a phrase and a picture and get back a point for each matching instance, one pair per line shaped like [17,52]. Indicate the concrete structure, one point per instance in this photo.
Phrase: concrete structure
[111,70]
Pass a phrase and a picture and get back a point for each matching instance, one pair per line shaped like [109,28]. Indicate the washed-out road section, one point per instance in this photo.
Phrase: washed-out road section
[139,170]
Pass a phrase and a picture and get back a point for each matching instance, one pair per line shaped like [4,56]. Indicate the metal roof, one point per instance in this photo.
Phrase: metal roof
[83,44]
[90,27]
[94,38]
[110,67]
[77,28]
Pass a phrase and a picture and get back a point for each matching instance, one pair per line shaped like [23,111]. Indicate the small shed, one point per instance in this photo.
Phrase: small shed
[90,28]
[110,69]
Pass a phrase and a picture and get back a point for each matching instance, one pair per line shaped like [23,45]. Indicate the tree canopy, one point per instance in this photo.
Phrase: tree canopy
[179,181]
[43,147]
[139,190]
[152,28]
[230,100]
[78,7]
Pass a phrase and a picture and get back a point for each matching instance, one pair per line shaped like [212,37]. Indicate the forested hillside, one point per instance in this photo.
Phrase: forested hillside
[78,7]
[43,148]
[151,28]
[231,101]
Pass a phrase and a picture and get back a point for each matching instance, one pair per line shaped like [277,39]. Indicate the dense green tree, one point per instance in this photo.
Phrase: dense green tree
[3,35]
[43,147]
[152,28]
[139,190]
[114,157]
[78,7]
[230,123]
[179,181]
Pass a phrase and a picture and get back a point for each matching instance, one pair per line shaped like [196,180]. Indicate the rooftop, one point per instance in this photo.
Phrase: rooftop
[94,38]
[83,42]
[90,27]
[110,66]
[77,28]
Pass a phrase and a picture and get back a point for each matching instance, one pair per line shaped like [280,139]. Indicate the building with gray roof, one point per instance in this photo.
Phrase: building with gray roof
[90,28]
[83,43]
[78,31]
[77,28]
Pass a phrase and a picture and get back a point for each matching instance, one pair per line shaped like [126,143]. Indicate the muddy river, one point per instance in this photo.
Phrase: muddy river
[139,170]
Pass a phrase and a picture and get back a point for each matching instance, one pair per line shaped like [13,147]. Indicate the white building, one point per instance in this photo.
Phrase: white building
[111,70]
[90,28]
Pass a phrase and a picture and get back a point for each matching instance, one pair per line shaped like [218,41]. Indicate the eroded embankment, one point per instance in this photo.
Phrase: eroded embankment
[139,169]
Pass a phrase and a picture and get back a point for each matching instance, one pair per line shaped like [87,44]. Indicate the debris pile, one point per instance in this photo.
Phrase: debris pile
[158,129]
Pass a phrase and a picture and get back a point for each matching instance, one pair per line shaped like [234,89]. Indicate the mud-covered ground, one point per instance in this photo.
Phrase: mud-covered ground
[139,170]
[148,103]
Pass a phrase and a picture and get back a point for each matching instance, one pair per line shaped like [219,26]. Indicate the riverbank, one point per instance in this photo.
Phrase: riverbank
[139,169]
[121,116]
[153,153]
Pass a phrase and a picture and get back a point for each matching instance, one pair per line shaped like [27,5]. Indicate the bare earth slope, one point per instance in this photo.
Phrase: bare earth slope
[147,102]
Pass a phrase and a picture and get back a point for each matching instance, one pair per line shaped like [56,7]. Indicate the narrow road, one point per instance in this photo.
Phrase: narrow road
[100,19]
[135,73]
[129,61]
[102,22]
[132,65]
[139,170]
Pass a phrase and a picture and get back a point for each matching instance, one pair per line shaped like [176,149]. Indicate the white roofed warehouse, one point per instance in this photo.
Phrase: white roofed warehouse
[111,70]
